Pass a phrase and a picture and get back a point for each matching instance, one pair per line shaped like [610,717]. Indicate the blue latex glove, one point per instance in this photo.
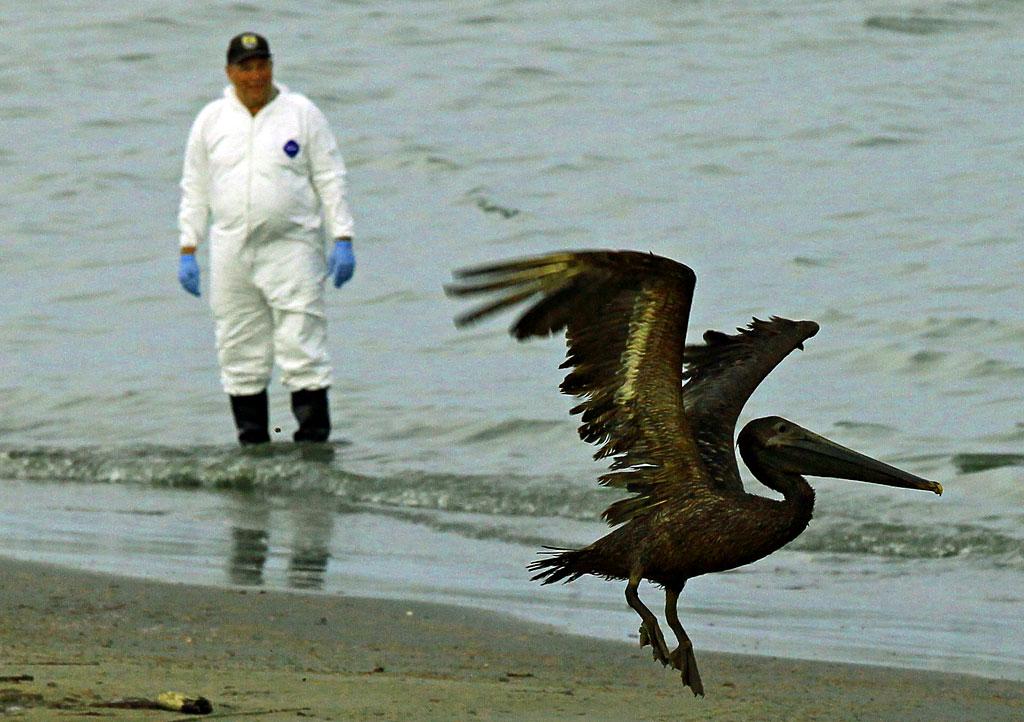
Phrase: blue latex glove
[342,263]
[188,273]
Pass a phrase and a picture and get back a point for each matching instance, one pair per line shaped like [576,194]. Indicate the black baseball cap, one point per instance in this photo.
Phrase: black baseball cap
[247,45]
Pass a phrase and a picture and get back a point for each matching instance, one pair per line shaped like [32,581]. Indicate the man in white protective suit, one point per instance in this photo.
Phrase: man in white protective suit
[264,175]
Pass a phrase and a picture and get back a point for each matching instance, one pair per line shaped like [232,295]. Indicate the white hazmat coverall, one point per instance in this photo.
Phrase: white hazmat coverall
[268,187]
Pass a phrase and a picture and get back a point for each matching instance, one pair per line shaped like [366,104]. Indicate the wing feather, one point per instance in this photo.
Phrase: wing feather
[625,315]
[722,373]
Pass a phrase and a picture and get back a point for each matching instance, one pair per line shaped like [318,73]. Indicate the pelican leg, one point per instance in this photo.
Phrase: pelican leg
[682,656]
[650,632]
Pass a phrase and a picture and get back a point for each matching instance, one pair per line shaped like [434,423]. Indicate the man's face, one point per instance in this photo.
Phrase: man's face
[253,80]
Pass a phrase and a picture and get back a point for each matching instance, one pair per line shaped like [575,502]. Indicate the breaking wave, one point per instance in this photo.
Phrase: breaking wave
[495,506]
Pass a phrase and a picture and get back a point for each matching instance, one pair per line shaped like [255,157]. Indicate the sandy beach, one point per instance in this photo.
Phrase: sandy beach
[74,641]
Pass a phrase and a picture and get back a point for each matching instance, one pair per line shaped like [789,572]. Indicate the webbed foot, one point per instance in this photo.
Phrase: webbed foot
[682,659]
[657,642]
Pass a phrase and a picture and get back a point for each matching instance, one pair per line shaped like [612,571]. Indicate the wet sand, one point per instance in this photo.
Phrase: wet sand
[88,639]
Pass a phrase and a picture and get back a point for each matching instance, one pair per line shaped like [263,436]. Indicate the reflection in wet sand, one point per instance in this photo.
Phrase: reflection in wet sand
[312,525]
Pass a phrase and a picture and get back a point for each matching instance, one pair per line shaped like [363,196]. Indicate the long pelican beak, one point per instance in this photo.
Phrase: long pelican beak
[806,453]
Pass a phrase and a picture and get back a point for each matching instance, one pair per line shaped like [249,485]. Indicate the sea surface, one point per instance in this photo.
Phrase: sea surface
[854,163]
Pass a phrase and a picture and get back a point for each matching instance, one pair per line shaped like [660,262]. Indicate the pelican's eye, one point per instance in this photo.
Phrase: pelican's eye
[781,428]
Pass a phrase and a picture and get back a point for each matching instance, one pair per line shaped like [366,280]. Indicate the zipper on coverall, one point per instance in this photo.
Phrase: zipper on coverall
[248,180]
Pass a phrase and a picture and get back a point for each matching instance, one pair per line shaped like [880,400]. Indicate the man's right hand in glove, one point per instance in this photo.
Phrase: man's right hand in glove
[188,273]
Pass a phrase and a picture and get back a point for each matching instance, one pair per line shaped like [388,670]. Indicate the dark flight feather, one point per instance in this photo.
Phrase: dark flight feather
[625,316]
[722,373]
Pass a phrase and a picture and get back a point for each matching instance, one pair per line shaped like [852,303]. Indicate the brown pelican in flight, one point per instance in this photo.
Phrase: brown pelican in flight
[625,315]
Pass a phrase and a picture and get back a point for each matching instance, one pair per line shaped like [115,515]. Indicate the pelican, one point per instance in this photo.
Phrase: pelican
[625,315]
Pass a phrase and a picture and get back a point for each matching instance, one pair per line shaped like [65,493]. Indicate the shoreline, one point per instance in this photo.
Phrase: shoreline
[87,638]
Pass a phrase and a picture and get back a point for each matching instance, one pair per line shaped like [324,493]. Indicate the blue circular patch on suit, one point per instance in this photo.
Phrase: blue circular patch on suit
[291,149]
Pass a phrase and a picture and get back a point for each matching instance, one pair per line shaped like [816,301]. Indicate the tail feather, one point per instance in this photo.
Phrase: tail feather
[563,565]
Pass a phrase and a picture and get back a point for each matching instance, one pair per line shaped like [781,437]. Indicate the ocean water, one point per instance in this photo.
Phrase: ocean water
[854,163]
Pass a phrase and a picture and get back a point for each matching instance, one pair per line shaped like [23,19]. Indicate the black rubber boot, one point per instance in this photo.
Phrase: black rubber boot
[251,418]
[310,409]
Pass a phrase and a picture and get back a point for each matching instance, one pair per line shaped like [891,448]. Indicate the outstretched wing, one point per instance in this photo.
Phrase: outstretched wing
[722,373]
[625,315]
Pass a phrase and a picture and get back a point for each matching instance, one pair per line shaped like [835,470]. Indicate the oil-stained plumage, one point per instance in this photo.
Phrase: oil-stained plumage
[625,316]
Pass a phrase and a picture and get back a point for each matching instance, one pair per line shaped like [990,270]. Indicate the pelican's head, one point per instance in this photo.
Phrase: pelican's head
[781,446]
